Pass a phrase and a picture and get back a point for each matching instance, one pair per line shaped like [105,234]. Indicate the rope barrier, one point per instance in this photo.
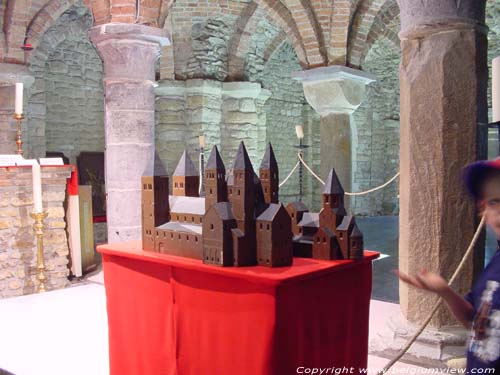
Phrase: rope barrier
[438,302]
[290,174]
[347,193]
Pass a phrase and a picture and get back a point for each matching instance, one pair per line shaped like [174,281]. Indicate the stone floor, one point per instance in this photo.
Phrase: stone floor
[65,332]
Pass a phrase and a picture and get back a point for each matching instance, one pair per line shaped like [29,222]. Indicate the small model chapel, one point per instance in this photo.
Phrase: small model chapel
[240,221]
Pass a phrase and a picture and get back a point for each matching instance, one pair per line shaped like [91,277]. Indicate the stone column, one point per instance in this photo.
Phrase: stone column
[9,75]
[443,77]
[335,92]
[129,53]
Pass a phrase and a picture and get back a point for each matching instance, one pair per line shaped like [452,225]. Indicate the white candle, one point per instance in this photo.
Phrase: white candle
[299,131]
[37,188]
[19,98]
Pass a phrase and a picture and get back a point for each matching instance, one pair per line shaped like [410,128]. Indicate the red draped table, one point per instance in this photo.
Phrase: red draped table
[169,315]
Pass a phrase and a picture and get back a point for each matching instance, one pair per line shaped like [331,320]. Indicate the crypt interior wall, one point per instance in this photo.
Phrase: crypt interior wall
[65,105]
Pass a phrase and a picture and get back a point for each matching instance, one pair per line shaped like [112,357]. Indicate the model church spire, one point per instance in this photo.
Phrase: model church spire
[215,180]
[155,202]
[269,176]
[333,193]
[186,177]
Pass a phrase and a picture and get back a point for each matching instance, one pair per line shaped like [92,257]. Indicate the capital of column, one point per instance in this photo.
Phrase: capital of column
[421,18]
[334,89]
[128,51]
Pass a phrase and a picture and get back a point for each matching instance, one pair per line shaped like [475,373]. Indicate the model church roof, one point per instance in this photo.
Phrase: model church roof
[224,210]
[298,206]
[270,212]
[347,221]
[242,160]
[269,160]
[332,184]
[182,227]
[355,232]
[215,160]
[186,205]
[185,167]
[310,219]
[158,168]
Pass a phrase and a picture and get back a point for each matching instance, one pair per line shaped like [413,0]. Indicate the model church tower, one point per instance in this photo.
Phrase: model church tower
[269,176]
[215,180]
[186,178]
[155,203]
[242,199]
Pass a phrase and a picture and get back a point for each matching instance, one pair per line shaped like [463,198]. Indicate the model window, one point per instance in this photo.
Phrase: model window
[171,235]
[192,219]
[261,226]
[175,184]
[327,199]
[195,238]
[324,239]
[211,226]
[150,186]
[187,237]
[211,191]
[179,237]
[239,191]
[341,236]
[267,226]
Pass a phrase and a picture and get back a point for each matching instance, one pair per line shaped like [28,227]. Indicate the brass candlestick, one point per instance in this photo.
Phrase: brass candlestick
[19,139]
[40,264]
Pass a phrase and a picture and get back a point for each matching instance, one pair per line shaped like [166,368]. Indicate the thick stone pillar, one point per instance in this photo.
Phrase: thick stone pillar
[129,53]
[443,78]
[9,75]
[335,93]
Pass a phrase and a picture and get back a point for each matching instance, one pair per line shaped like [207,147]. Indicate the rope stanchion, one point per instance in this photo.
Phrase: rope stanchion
[347,193]
[290,174]
[438,302]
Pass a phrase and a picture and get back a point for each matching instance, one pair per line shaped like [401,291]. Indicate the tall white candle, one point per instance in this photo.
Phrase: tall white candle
[299,131]
[19,98]
[37,188]
[495,89]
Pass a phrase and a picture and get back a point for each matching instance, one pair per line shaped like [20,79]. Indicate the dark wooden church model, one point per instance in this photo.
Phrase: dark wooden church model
[329,234]
[240,221]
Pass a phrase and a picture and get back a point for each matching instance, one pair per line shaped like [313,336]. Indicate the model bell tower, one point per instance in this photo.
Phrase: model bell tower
[242,195]
[155,204]
[215,180]
[333,193]
[269,176]
[186,178]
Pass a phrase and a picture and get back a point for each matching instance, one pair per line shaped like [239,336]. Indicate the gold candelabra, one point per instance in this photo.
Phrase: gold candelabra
[40,264]
[19,139]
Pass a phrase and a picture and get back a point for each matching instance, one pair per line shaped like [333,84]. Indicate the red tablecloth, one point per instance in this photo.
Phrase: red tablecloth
[176,316]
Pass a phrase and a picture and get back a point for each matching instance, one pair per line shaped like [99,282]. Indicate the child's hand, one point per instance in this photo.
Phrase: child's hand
[425,280]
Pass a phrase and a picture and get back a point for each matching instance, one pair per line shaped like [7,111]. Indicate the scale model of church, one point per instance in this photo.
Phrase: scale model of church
[240,221]
[329,234]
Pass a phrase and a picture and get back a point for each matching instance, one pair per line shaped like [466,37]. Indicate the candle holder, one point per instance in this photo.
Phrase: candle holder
[40,264]
[19,139]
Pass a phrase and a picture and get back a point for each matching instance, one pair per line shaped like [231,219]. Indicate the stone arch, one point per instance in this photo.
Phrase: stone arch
[380,28]
[339,27]
[310,31]
[45,18]
[71,27]
[366,14]
[247,23]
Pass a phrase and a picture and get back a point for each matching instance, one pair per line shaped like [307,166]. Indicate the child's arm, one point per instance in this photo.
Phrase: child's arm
[432,282]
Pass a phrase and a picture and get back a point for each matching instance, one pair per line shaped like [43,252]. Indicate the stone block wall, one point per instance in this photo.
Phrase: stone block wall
[17,240]
[65,107]
[74,99]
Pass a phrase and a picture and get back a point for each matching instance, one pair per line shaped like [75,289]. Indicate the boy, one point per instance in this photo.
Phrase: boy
[480,309]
